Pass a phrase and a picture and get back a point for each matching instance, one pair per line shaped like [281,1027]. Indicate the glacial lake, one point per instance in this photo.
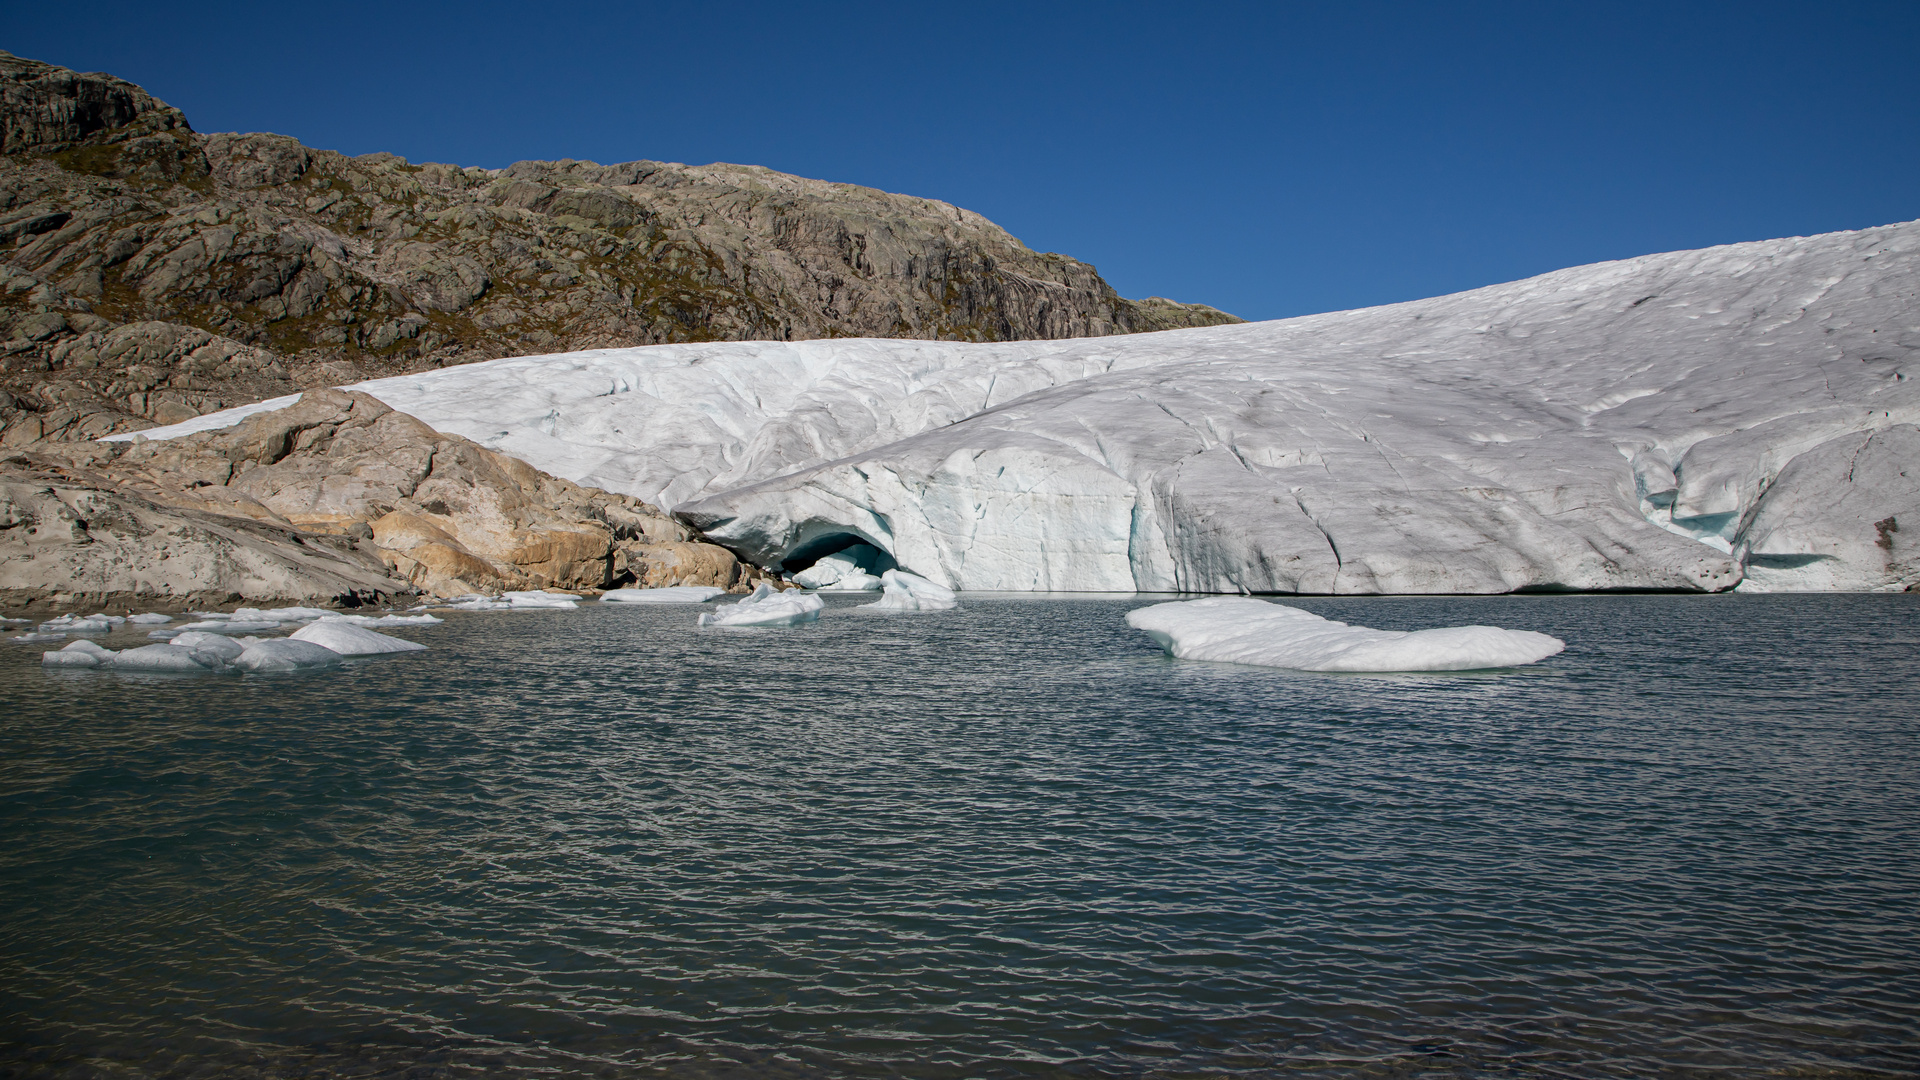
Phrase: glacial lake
[1008,841]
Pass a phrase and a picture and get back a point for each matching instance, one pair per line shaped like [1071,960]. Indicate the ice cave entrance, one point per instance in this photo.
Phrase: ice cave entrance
[838,563]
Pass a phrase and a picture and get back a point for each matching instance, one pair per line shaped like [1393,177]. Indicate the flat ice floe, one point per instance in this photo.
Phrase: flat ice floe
[1690,420]
[1242,630]
[767,607]
[214,644]
[669,594]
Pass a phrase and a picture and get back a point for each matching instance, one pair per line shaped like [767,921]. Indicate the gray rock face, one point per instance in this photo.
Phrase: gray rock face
[335,499]
[334,269]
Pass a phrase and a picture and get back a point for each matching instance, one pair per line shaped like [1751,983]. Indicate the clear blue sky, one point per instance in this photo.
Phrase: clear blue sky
[1270,159]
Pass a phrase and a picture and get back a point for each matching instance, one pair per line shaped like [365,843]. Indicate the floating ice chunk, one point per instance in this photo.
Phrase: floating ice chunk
[76,624]
[767,608]
[541,600]
[208,615]
[280,615]
[218,645]
[350,640]
[113,620]
[671,594]
[150,618]
[35,639]
[163,634]
[1242,630]
[848,570]
[285,654]
[386,620]
[168,658]
[16,622]
[911,592]
[82,653]
[232,626]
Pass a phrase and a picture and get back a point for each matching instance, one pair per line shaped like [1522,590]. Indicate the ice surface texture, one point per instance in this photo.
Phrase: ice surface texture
[1677,421]
[670,594]
[1242,630]
[350,640]
[911,592]
[767,608]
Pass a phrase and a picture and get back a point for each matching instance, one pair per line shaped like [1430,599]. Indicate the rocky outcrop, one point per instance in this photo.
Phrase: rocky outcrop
[336,499]
[299,267]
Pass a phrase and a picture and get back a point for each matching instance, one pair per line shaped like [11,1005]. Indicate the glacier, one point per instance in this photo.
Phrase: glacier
[911,592]
[1697,420]
[1242,630]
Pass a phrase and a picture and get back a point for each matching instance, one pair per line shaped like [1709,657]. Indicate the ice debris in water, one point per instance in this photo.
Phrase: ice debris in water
[767,608]
[285,654]
[1242,630]
[513,600]
[82,653]
[35,639]
[280,615]
[350,640]
[232,626]
[851,569]
[386,620]
[150,618]
[219,645]
[166,658]
[911,592]
[670,594]
[77,624]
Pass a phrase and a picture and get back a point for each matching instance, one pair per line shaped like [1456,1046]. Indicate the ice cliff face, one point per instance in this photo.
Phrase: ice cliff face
[1693,420]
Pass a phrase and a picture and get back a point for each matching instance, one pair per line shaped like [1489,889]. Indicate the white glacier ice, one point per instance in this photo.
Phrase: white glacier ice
[512,600]
[150,618]
[280,615]
[1675,421]
[350,640]
[284,654]
[669,594]
[232,626]
[1243,630]
[766,607]
[856,568]
[911,592]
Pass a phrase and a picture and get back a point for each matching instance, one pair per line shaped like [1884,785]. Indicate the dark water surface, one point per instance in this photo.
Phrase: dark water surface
[1012,840]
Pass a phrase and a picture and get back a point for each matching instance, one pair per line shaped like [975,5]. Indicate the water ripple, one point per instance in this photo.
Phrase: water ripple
[1011,840]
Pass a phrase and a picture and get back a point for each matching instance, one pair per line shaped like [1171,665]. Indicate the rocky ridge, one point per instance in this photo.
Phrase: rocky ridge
[150,273]
[337,500]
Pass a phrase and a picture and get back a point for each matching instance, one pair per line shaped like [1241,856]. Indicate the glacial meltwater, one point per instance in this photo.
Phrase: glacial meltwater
[1010,840]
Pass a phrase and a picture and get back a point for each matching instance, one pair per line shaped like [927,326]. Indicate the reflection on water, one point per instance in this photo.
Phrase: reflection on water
[1011,840]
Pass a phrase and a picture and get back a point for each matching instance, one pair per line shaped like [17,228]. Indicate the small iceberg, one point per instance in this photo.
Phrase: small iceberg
[280,615]
[767,608]
[150,618]
[217,645]
[177,658]
[671,594]
[283,654]
[350,640]
[911,592]
[36,638]
[1242,630]
[232,626]
[386,620]
[78,624]
[851,569]
[82,653]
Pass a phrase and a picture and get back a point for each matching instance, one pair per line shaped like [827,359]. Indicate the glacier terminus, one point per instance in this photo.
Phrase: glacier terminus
[1738,416]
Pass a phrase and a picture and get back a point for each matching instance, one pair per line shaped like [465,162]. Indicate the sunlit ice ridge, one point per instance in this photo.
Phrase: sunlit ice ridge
[1737,416]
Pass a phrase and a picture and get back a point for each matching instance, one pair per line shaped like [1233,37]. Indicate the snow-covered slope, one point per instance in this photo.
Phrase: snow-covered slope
[1685,420]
